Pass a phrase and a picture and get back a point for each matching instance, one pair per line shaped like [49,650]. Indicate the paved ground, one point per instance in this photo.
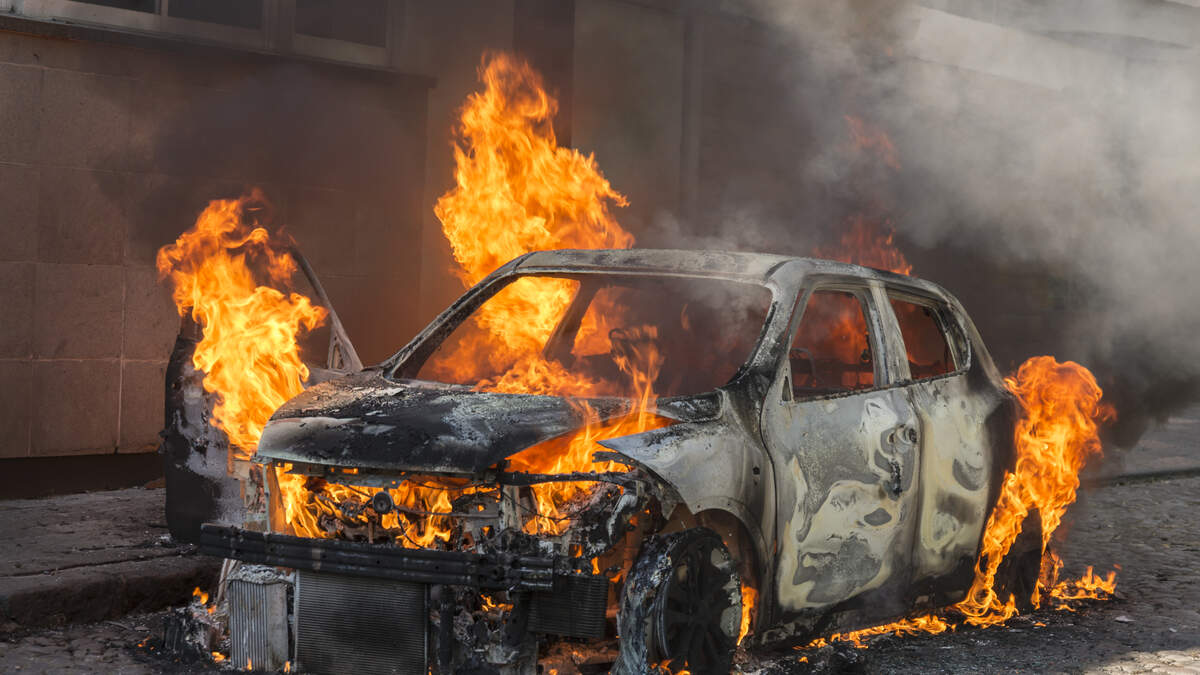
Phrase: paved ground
[88,557]
[1149,527]
[1172,447]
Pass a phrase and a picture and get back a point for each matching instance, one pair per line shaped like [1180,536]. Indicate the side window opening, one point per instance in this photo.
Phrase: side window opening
[831,352]
[925,341]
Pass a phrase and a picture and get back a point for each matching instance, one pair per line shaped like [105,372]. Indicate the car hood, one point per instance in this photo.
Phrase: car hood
[365,420]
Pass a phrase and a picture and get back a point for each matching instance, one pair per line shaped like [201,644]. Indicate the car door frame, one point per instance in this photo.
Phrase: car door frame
[959,453]
[793,614]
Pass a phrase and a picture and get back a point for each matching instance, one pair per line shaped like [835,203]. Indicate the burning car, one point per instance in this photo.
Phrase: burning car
[693,449]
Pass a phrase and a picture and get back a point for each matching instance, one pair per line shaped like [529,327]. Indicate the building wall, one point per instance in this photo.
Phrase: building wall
[628,103]
[449,39]
[108,152]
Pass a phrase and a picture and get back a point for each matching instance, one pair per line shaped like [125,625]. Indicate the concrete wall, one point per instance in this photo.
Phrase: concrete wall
[449,39]
[108,152]
[628,102]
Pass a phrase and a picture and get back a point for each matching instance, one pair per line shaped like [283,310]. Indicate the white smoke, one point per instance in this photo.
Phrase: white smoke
[1062,135]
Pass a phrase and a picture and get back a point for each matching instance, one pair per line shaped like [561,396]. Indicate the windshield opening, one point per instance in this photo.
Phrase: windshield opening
[592,336]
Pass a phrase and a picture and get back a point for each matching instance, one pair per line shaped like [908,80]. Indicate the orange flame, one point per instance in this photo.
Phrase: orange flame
[517,191]
[314,507]
[573,453]
[922,624]
[866,137]
[749,595]
[868,244]
[1090,586]
[248,352]
[1056,435]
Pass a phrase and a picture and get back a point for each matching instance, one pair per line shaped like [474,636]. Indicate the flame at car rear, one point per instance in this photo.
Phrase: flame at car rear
[248,352]
[1056,435]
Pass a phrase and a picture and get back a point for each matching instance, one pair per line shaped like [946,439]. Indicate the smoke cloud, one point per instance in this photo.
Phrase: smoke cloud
[1045,169]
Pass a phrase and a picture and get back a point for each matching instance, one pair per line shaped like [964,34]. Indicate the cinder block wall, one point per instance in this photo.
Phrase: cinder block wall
[107,152]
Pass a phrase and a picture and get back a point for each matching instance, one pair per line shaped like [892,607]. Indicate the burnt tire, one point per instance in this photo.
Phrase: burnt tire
[1017,575]
[680,607]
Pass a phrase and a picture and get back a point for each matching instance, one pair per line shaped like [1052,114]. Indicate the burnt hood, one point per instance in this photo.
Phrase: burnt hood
[365,420]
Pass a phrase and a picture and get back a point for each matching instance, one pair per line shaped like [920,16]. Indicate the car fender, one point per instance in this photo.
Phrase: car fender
[711,465]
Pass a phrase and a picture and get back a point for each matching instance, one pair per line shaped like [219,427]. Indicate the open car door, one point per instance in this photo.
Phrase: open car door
[203,482]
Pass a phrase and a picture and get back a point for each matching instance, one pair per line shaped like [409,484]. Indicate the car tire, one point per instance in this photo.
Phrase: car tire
[680,607]
[1017,576]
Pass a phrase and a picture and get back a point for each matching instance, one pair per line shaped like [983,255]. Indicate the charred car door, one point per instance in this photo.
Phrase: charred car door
[203,483]
[844,448]
[957,458]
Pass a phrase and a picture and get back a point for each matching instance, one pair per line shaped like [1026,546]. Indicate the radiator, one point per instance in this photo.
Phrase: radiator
[258,621]
[575,607]
[360,625]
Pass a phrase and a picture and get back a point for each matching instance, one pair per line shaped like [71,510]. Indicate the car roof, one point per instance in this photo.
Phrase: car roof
[724,264]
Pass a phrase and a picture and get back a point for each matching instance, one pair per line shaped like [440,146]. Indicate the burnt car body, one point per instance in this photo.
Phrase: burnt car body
[846,479]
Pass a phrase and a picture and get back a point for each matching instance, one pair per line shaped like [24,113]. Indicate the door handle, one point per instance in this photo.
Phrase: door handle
[906,433]
[896,482]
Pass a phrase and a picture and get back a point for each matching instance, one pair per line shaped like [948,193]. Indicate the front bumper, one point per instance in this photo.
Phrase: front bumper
[551,595]
[497,571]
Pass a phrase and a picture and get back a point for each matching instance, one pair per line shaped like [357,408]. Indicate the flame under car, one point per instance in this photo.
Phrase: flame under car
[690,431]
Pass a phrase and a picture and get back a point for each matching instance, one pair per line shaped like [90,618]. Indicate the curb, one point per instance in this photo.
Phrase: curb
[96,592]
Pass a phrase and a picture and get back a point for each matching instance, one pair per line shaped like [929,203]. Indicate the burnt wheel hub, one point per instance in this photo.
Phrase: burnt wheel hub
[690,607]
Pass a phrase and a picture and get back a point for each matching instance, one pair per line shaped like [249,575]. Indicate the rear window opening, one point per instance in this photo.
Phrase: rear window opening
[928,350]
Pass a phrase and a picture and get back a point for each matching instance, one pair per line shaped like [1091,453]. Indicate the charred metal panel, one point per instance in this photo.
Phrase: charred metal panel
[958,461]
[846,482]
[708,263]
[195,453]
[501,571]
[363,420]
[712,465]
[962,453]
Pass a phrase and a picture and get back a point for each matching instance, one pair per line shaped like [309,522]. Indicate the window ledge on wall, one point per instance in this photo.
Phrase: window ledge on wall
[69,29]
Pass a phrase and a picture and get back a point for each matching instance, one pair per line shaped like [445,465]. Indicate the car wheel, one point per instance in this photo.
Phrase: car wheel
[680,607]
[1017,575]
